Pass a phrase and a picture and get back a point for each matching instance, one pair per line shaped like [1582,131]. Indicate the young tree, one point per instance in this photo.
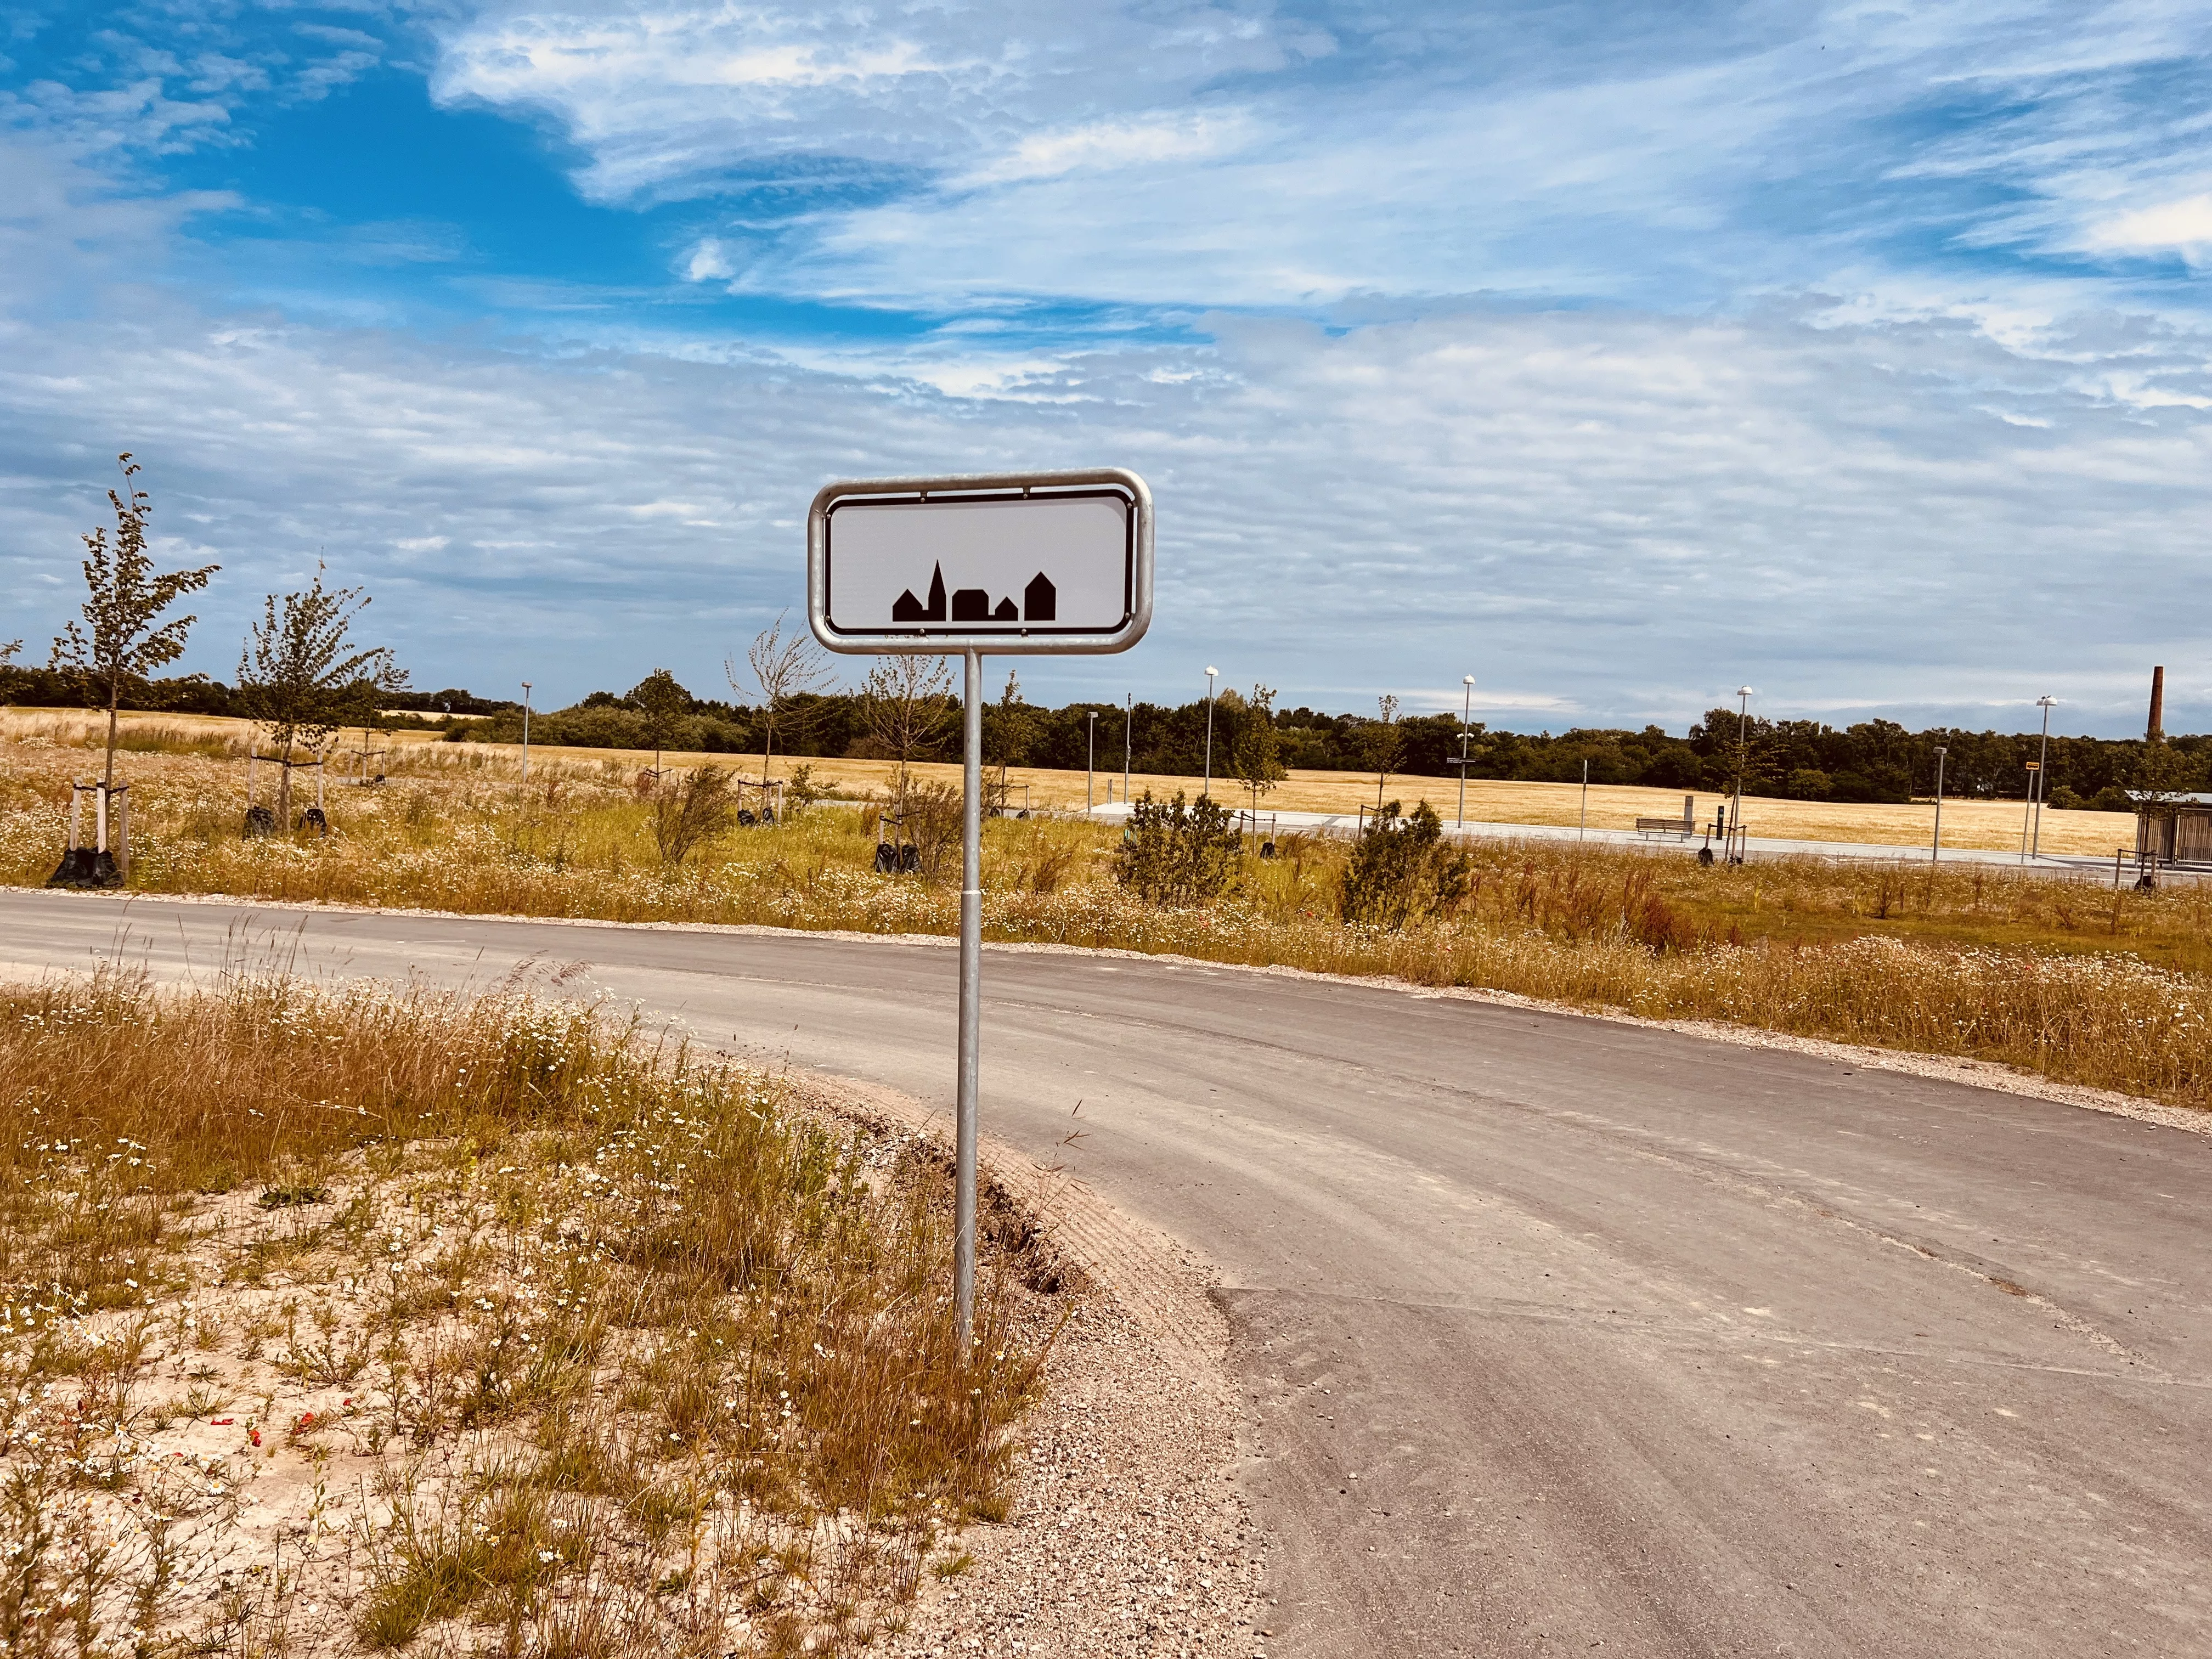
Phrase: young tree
[302,676]
[665,704]
[699,809]
[1745,751]
[124,642]
[1382,740]
[1255,750]
[906,704]
[784,670]
[1009,729]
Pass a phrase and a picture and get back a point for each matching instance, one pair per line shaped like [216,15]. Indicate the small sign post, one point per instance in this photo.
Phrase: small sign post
[1027,564]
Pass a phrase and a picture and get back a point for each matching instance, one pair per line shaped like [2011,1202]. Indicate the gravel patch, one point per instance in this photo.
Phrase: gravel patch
[1127,1535]
[1128,1532]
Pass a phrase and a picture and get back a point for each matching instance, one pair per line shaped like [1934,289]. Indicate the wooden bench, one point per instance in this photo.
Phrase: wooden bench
[1678,826]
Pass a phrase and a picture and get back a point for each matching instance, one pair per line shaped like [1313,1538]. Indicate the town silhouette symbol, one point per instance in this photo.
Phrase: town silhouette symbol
[1040,602]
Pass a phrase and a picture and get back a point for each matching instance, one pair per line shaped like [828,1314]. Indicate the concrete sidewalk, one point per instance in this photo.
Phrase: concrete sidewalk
[2065,866]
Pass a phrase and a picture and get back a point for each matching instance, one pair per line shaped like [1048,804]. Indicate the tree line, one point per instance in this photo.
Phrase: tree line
[1805,760]
[1871,761]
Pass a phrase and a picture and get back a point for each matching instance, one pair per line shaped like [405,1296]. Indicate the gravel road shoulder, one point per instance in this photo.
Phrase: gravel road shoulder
[1128,1532]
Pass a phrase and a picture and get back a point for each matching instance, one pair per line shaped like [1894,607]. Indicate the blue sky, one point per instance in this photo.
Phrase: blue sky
[1617,355]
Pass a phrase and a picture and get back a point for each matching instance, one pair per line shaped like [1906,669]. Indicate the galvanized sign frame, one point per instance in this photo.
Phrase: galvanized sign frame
[1012,636]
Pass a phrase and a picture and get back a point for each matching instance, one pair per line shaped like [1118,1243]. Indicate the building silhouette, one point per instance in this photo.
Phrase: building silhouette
[1040,602]
[907,609]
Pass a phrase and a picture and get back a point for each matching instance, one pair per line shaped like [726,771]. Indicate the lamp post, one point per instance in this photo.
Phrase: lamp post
[1935,847]
[1742,754]
[2042,783]
[1090,759]
[1466,712]
[1128,720]
[526,731]
[1207,793]
[2027,807]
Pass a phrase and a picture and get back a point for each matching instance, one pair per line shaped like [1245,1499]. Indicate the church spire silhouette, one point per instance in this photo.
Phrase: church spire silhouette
[1040,602]
[907,609]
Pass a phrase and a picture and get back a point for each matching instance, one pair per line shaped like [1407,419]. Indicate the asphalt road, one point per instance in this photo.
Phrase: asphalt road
[1556,1335]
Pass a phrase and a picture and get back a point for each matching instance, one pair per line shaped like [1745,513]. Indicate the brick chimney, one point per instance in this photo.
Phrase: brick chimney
[2157,729]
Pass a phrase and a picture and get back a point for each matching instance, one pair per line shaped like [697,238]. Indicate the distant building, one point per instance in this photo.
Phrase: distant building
[2177,830]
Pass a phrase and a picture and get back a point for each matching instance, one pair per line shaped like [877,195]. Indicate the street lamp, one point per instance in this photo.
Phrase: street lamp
[1465,710]
[2042,779]
[526,731]
[1935,848]
[1207,793]
[1128,723]
[1742,754]
[1090,759]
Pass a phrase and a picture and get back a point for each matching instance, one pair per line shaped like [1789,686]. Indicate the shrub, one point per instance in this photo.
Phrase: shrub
[1174,854]
[698,809]
[1400,872]
[932,819]
[802,791]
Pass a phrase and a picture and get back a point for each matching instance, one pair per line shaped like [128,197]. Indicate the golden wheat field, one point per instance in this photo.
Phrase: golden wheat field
[1986,825]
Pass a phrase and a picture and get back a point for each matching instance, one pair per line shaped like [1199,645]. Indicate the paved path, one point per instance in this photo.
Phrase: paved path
[1556,1336]
[2070,866]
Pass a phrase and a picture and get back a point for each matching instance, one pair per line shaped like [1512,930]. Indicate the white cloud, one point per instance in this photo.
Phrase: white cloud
[1225,155]
[1109,145]
[2183,227]
[1602,516]
[667,97]
[1919,492]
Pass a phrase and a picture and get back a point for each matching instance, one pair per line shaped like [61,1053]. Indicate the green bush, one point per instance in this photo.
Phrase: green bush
[1174,854]
[1400,872]
[698,808]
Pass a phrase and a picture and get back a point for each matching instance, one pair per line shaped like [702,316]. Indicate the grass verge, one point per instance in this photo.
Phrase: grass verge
[357,1319]
[2071,979]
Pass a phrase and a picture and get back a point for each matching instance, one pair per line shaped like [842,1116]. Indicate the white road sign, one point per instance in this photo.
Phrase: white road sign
[1014,564]
[1029,564]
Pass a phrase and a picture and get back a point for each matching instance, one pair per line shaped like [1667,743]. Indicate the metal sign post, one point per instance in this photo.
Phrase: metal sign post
[1026,564]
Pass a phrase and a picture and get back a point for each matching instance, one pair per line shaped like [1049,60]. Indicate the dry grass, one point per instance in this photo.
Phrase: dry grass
[334,1320]
[2069,978]
[1990,825]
